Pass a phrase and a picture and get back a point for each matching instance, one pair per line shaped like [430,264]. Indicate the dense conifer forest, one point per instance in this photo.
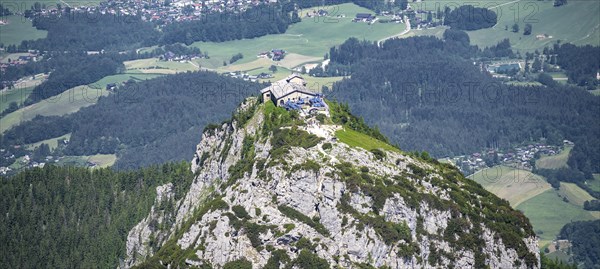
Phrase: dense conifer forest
[66,217]
[258,21]
[4,11]
[470,18]
[581,63]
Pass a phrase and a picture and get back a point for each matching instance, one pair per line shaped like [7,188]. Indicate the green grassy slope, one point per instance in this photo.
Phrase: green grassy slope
[17,30]
[577,22]
[52,142]
[17,95]
[555,161]
[356,139]
[61,104]
[101,160]
[531,194]
[574,193]
[514,185]
[594,184]
[548,213]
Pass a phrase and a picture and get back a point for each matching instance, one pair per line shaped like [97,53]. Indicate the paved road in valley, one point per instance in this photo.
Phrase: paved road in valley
[407,21]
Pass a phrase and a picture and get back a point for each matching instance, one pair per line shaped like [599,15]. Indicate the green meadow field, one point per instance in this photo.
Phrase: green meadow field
[575,194]
[577,22]
[262,65]
[514,185]
[543,205]
[52,142]
[314,84]
[548,213]
[556,161]
[155,66]
[65,103]
[310,38]
[18,29]
[119,78]
[17,95]
[101,160]
[595,183]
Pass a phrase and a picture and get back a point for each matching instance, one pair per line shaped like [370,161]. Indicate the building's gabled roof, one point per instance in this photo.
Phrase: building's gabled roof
[285,86]
[364,16]
[293,76]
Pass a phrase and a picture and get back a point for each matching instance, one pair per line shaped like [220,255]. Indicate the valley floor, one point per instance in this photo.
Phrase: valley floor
[547,209]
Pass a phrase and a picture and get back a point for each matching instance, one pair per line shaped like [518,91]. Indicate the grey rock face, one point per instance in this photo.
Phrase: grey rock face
[317,195]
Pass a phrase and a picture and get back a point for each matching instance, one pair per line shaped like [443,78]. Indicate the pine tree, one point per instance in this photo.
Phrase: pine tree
[528,29]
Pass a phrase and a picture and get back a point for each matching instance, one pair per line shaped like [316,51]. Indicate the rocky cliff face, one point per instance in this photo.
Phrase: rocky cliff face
[272,190]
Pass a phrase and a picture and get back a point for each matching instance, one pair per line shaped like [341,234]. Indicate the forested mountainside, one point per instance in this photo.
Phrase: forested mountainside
[67,217]
[149,122]
[144,123]
[272,190]
[426,95]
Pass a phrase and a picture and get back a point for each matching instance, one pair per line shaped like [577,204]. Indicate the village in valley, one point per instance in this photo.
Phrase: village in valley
[519,157]
[19,158]
[170,11]
[163,11]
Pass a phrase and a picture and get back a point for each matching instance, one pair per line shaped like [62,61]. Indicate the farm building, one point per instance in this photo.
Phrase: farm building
[292,88]
[364,17]
[278,54]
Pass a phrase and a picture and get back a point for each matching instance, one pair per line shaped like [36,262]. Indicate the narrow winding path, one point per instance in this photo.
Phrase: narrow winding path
[406,31]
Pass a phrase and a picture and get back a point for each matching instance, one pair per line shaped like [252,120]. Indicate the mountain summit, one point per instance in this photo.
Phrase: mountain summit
[288,189]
